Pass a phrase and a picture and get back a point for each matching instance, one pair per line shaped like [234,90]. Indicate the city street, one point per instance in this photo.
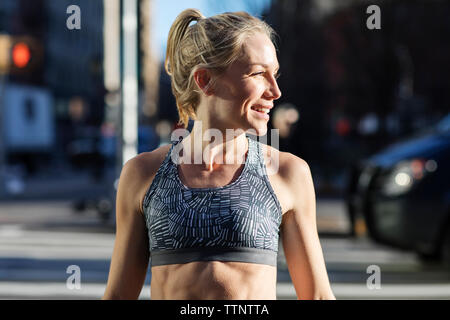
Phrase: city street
[359,91]
[40,240]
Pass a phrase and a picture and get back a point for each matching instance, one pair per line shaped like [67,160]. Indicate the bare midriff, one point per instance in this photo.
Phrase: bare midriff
[214,280]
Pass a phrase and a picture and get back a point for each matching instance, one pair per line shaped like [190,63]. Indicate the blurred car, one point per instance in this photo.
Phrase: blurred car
[403,193]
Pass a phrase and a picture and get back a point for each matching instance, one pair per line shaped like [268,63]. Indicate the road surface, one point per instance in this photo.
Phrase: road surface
[41,240]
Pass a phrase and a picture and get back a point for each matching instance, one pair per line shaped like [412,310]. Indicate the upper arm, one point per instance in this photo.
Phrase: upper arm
[299,235]
[130,256]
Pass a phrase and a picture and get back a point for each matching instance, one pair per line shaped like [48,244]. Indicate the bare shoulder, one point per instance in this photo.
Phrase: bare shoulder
[285,164]
[292,176]
[147,163]
[297,176]
[293,169]
[138,173]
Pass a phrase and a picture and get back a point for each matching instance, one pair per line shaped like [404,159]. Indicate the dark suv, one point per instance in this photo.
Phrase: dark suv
[403,193]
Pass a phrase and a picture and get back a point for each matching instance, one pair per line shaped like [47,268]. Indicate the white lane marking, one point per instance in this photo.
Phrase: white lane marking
[39,290]
[11,231]
[55,290]
[387,291]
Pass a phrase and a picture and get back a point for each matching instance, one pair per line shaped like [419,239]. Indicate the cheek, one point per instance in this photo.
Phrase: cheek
[250,90]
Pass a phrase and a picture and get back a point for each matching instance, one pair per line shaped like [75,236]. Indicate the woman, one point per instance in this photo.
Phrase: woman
[210,226]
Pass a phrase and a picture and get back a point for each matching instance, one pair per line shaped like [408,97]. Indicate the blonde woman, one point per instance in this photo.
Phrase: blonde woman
[210,227]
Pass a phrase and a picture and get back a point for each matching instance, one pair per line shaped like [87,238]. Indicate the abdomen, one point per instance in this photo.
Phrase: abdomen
[214,280]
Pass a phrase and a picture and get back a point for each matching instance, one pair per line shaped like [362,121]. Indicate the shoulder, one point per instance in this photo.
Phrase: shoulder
[293,169]
[286,165]
[146,163]
[296,174]
[293,176]
[138,173]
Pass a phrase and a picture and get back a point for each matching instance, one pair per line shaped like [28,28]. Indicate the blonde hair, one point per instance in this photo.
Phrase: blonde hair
[212,43]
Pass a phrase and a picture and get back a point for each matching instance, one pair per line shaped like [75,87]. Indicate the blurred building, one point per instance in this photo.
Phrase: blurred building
[300,53]
[63,95]
[343,77]
[74,57]
[65,101]
[74,74]
[26,105]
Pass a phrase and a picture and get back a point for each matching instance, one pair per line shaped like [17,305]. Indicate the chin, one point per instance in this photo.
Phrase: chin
[257,130]
[253,126]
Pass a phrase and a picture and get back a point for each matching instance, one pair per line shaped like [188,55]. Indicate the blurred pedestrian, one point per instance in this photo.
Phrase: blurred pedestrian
[212,228]
[285,119]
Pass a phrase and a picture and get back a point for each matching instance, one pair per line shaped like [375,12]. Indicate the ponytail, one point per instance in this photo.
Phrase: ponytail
[176,34]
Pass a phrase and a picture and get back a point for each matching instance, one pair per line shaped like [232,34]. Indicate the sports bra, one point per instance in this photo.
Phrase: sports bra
[236,222]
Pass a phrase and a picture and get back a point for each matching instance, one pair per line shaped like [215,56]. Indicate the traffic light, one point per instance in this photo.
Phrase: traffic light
[22,58]
[21,55]
[27,60]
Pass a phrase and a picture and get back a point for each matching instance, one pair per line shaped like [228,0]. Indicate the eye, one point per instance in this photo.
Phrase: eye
[258,73]
[277,75]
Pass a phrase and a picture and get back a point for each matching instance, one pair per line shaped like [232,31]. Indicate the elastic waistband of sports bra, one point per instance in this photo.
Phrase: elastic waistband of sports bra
[236,254]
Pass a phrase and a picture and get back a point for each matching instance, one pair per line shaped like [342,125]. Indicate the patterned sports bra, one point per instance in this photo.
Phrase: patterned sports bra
[237,222]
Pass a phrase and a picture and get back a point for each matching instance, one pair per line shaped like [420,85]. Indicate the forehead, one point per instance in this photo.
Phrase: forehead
[258,49]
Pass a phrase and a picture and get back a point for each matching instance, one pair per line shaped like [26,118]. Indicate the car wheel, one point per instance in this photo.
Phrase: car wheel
[79,206]
[429,258]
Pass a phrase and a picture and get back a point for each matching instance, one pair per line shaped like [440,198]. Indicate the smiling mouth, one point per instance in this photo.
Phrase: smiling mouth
[260,109]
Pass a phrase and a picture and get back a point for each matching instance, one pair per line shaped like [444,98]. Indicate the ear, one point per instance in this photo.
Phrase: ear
[202,78]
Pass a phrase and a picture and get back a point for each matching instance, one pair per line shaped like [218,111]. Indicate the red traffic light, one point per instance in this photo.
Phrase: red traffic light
[21,55]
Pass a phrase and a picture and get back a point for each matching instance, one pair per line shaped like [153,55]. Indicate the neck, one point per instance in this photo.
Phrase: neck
[211,147]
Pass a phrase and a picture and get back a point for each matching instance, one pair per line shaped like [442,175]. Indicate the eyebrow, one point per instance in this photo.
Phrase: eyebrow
[264,65]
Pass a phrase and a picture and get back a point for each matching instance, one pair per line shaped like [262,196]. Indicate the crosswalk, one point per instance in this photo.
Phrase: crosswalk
[18,242]
[285,291]
[33,265]
[15,241]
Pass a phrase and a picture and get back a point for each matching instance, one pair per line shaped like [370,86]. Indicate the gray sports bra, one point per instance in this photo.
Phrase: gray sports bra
[237,222]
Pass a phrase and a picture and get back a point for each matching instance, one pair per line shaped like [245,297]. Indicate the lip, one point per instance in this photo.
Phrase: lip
[262,106]
[261,115]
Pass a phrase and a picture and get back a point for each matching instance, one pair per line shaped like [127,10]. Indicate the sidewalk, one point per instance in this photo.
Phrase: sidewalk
[63,185]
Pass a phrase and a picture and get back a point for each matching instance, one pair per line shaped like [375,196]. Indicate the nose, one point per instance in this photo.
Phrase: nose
[272,92]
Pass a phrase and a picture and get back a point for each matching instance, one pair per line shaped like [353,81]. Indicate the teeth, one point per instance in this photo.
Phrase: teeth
[265,110]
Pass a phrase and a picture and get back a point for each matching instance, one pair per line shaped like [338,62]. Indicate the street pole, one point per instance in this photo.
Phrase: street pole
[112,76]
[2,140]
[130,90]
[5,46]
